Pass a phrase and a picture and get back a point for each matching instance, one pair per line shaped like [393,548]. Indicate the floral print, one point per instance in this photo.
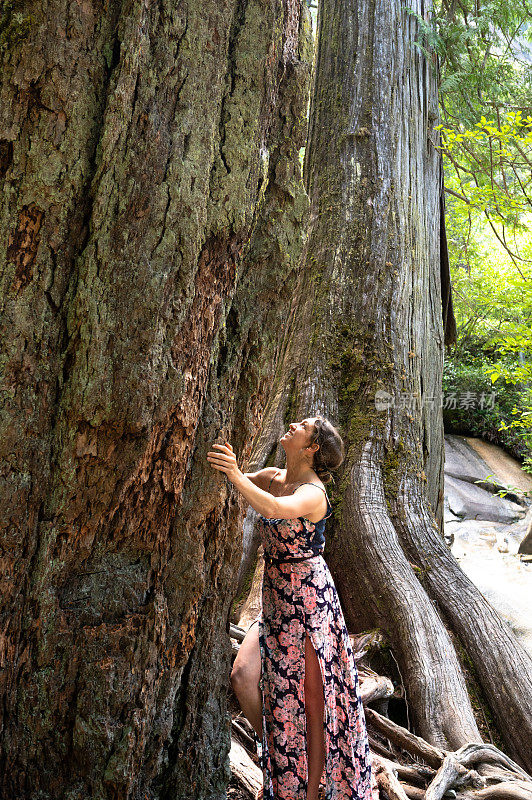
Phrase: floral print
[299,598]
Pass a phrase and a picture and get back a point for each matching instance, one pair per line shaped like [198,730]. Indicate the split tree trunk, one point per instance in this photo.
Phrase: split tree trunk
[152,220]
[365,348]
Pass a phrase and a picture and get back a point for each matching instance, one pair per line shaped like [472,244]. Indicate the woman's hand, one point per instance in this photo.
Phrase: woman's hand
[224,460]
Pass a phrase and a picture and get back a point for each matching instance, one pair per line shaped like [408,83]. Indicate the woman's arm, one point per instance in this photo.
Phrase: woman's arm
[305,500]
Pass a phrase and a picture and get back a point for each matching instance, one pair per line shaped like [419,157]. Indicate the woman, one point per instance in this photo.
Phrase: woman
[295,674]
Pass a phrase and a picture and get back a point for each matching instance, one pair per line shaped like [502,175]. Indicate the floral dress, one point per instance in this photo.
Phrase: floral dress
[300,597]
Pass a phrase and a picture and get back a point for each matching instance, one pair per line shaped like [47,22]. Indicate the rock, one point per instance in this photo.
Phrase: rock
[468,501]
[489,531]
[503,546]
[526,545]
[462,461]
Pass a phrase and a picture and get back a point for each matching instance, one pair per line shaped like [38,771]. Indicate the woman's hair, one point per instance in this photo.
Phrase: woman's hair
[331,451]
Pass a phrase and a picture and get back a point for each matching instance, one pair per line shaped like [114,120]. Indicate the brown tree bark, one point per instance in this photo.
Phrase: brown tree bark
[366,349]
[152,214]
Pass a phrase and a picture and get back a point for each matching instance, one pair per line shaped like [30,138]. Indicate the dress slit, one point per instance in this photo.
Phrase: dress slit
[319,655]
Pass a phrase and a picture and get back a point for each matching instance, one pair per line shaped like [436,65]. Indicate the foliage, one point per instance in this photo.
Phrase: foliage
[493,301]
[493,309]
[482,49]
[474,407]
[490,172]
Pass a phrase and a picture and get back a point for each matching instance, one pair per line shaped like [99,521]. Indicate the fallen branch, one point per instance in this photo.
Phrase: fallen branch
[413,744]
[243,769]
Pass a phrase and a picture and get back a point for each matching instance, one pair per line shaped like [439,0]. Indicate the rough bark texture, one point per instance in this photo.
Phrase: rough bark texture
[152,212]
[366,348]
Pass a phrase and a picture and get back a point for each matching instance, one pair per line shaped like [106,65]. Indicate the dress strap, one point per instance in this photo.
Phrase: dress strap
[271,479]
[312,484]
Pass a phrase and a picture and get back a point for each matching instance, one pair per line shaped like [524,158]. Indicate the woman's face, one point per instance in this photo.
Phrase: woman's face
[298,435]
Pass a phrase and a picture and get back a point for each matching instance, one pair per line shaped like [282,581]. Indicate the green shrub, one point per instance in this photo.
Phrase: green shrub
[474,406]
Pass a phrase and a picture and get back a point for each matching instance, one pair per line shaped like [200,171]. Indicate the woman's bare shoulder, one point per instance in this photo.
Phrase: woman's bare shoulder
[262,477]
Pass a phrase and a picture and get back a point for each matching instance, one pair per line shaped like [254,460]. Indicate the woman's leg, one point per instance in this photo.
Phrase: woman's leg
[314,708]
[245,677]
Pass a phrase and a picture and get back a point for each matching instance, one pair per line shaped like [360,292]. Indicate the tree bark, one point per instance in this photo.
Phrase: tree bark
[152,213]
[366,349]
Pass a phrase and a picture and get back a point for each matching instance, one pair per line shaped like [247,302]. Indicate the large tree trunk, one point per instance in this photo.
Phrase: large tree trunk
[366,349]
[152,212]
